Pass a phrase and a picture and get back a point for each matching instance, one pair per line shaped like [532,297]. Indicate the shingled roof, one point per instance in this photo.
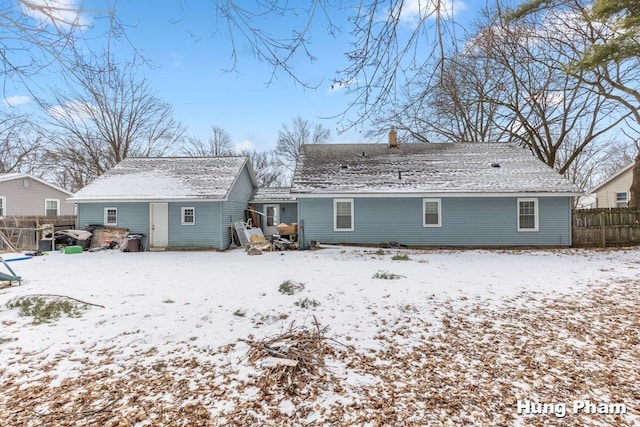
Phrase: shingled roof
[424,168]
[273,194]
[165,178]
[11,176]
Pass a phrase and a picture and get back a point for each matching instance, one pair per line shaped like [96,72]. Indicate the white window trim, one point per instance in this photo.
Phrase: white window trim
[424,212]
[3,213]
[335,215]
[106,216]
[626,200]
[535,213]
[57,205]
[182,211]
[276,216]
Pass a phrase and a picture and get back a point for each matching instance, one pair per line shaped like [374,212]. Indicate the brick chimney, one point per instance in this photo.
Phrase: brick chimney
[393,138]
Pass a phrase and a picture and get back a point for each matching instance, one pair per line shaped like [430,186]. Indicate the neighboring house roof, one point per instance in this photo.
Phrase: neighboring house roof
[475,168]
[11,176]
[166,178]
[608,180]
[273,194]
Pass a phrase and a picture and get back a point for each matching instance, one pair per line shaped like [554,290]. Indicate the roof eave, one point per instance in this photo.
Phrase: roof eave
[144,200]
[440,194]
[40,180]
[622,171]
[273,201]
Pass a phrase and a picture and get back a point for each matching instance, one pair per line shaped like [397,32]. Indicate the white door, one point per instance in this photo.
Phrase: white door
[271,219]
[159,233]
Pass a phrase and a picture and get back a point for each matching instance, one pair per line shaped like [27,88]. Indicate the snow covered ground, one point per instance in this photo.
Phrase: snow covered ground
[458,337]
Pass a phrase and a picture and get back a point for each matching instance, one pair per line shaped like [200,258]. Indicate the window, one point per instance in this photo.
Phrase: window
[621,200]
[431,213]
[527,214]
[3,206]
[110,216]
[271,216]
[343,215]
[51,207]
[188,216]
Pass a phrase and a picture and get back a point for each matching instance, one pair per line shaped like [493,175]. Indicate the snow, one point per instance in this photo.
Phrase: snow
[460,168]
[167,305]
[163,178]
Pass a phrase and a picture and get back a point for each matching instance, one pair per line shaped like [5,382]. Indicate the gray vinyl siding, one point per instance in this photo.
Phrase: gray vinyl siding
[289,214]
[479,221]
[30,200]
[134,216]
[234,208]
[203,234]
[211,229]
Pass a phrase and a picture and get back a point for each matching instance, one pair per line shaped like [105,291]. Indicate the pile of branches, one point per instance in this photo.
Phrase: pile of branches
[293,359]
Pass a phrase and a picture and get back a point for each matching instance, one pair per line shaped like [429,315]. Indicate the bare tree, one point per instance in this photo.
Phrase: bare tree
[37,34]
[465,104]
[270,171]
[105,114]
[290,139]
[617,156]
[608,60]
[547,109]
[508,84]
[217,144]
[389,41]
[19,144]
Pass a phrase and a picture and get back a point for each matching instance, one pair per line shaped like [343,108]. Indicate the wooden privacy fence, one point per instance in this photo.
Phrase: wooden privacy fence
[24,232]
[606,227]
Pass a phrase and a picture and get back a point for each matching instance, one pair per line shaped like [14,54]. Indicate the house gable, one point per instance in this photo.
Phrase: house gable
[607,192]
[167,178]
[24,194]
[210,205]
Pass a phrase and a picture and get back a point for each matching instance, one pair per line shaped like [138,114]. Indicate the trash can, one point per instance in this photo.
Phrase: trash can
[133,243]
[45,245]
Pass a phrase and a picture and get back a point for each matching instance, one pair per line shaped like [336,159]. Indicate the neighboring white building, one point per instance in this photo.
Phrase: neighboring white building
[614,192]
[24,194]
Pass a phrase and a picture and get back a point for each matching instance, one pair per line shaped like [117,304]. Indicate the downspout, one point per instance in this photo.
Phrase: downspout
[220,222]
[570,221]
[300,223]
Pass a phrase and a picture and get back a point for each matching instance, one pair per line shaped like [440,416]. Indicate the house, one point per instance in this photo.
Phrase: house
[274,205]
[176,202]
[24,194]
[462,194]
[614,192]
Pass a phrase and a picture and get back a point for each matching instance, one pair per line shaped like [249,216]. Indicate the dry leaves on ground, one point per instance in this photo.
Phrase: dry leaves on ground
[468,368]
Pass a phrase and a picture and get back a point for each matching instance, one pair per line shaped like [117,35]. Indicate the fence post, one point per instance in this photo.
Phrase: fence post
[603,229]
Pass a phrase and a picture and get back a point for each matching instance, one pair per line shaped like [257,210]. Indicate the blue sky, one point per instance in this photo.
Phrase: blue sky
[187,58]
[188,62]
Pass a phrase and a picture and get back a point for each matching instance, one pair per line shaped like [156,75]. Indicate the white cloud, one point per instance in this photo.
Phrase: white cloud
[71,110]
[12,101]
[244,145]
[415,11]
[340,86]
[59,13]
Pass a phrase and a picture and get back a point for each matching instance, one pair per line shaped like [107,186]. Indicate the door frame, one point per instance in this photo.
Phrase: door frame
[269,230]
[164,206]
